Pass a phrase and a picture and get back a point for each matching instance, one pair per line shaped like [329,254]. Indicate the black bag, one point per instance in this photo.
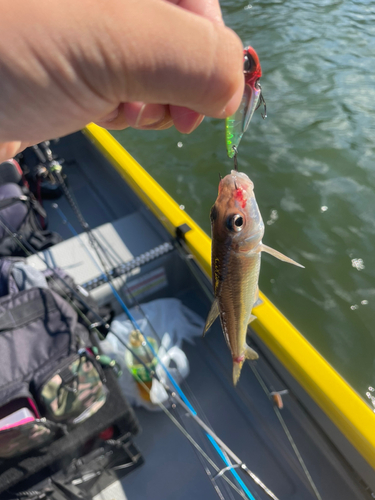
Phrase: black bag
[22,214]
[48,375]
[11,171]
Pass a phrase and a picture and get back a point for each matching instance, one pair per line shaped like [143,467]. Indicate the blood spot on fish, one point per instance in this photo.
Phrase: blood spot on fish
[239,196]
[239,359]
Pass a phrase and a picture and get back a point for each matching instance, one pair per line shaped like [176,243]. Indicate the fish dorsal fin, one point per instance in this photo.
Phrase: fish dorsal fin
[279,255]
[212,315]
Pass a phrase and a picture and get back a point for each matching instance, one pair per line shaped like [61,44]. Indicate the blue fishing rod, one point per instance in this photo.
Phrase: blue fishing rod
[180,396]
[29,250]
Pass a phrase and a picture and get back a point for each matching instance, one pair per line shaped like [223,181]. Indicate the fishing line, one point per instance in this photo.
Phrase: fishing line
[182,396]
[207,445]
[200,457]
[92,239]
[88,322]
[153,374]
[125,308]
[282,421]
[76,295]
[288,434]
[193,442]
[113,259]
[224,447]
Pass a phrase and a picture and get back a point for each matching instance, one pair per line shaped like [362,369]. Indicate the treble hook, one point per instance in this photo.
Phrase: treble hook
[235,164]
[262,101]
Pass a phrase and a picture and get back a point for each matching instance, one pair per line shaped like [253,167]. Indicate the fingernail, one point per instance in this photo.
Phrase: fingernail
[150,114]
[197,122]
[233,103]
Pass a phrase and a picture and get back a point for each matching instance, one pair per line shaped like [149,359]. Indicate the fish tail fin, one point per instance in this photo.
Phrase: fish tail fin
[237,367]
[238,362]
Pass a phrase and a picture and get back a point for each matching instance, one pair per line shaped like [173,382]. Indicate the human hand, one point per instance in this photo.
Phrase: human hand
[72,63]
[150,116]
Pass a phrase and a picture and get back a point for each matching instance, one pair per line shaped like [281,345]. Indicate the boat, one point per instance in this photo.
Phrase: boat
[299,430]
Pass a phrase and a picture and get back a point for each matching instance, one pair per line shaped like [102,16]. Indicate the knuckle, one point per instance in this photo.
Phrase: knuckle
[226,71]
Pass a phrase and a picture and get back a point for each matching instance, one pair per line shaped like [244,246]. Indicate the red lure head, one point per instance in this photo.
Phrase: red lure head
[252,68]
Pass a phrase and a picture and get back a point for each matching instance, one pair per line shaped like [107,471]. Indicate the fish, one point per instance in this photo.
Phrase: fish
[237,124]
[237,231]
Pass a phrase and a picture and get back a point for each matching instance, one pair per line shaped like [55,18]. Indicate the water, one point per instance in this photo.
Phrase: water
[312,163]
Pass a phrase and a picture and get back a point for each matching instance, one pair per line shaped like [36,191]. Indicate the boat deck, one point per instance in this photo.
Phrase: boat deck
[242,417]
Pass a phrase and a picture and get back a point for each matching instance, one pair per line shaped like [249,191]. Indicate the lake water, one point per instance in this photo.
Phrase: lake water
[313,165]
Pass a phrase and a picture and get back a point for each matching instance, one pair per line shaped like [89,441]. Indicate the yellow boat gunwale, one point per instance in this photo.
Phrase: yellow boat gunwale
[345,408]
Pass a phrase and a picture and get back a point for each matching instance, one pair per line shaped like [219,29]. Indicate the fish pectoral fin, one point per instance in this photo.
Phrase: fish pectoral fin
[252,317]
[212,315]
[250,353]
[279,255]
[257,301]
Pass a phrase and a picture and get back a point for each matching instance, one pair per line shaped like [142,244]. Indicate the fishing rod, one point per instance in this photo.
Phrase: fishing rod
[223,454]
[287,433]
[56,169]
[181,396]
[114,259]
[29,250]
[263,385]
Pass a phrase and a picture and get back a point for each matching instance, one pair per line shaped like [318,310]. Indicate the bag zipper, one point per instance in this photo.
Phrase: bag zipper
[83,352]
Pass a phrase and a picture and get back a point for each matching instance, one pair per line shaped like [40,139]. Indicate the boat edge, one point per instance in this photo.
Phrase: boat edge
[338,400]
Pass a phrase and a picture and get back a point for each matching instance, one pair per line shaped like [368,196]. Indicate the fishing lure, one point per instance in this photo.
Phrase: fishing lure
[236,125]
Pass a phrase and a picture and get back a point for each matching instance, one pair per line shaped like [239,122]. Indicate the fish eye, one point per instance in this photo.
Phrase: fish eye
[235,223]
[248,63]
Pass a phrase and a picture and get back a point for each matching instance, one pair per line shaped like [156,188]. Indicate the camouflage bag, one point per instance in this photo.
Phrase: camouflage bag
[21,428]
[75,391]
[19,439]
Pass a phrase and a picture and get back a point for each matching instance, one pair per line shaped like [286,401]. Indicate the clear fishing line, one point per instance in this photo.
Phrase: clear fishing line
[170,377]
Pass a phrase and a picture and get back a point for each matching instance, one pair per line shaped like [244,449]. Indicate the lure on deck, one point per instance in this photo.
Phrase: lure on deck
[252,98]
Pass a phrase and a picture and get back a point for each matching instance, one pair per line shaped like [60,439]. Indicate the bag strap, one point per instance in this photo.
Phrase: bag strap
[26,313]
[7,202]
[27,199]
[5,275]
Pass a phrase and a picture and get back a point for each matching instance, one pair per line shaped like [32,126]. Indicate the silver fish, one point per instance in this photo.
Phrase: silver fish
[237,230]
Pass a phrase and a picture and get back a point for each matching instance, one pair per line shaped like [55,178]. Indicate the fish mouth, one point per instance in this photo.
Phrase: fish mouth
[241,181]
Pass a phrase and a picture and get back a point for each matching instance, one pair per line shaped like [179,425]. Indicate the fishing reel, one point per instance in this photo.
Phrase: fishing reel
[38,164]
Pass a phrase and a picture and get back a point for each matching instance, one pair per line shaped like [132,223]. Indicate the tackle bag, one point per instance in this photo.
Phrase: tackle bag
[50,380]
[21,214]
